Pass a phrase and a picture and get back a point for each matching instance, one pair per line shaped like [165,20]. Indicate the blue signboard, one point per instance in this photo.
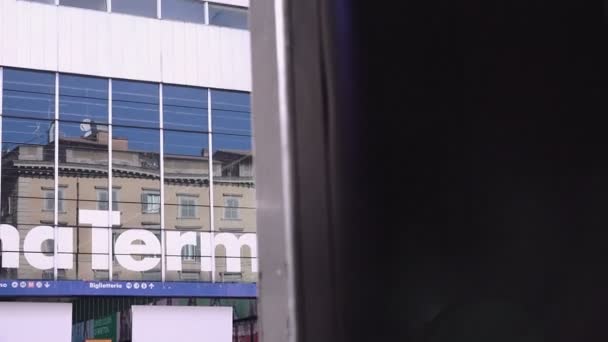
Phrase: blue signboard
[125,288]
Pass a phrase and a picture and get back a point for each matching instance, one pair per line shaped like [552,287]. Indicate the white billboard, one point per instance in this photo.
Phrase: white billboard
[29,322]
[182,323]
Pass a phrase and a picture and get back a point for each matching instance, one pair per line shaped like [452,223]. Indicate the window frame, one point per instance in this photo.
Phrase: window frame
[181,206]
[100,202]
[145,204]
[230,208]
[49,201]
[191,256]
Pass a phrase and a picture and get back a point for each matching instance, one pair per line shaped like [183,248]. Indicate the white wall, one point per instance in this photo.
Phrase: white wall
[242,3]
[64,39]
[28,322]
[182,323]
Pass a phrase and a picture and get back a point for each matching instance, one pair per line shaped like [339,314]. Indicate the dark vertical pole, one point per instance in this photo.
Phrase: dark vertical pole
[251,336]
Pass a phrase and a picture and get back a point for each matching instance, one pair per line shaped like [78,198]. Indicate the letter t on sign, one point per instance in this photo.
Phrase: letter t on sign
[100,235]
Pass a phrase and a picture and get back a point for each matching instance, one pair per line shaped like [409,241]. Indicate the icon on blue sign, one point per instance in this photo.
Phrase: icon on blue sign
[39,284]
[46,284]
[128,285]
[144,286]
[14,284]
[136,286]
[151,286]
[22,284]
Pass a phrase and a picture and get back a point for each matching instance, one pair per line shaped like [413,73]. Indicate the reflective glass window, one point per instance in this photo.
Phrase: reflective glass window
[231,112]
[184,10]
[83,164]
[102,199]
[136,171]
[187,206]
[144,8]
[185,108]
[28,187]
[234,188]
[135,104]
[150,202]
[84,100]
[231,207]
[49,200]
[98,5]
[228,16]
[189,253]
[28,94]
[28,149]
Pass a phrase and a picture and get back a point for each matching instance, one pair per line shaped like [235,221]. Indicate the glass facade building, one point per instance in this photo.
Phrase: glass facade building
[127,173]
[177,158]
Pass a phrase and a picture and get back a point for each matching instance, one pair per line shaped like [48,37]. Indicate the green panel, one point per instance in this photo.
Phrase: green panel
[105,327]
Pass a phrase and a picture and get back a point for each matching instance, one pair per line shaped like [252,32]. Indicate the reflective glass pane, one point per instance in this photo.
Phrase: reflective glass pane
[83,99]
[128,140]
[185,108]
[231,112]
[98,5]
[28,94]
[187,204]
[145,8]
[83,168]
[135,104]
[28,193]
[235,236]
[184,10]
[235,257]
[228,16]
[142,265]
[136,172]
[27,174]
[188,255]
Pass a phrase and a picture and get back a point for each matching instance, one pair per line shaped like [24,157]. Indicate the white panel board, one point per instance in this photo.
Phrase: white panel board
[28,322]
[66,39]
[242,3]
[182,323]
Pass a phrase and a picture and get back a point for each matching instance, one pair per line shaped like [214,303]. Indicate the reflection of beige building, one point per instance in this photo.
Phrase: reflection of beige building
[28,189]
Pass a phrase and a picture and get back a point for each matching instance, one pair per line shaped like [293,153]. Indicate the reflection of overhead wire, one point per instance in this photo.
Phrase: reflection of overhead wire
[36,134]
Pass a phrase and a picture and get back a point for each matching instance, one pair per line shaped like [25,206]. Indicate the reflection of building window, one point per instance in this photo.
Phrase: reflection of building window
[50,274]
[150,202]
[189,276]
[231,207]
[11,205]
[49,202]
[187,207]
[102,199]
[231,276]
[189,252]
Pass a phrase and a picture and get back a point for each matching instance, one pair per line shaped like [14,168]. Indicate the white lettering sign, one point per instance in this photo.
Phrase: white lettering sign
[136,249]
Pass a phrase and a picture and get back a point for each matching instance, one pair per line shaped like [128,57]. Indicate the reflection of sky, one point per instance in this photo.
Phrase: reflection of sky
[228,16]
[21,131]
[135,112]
